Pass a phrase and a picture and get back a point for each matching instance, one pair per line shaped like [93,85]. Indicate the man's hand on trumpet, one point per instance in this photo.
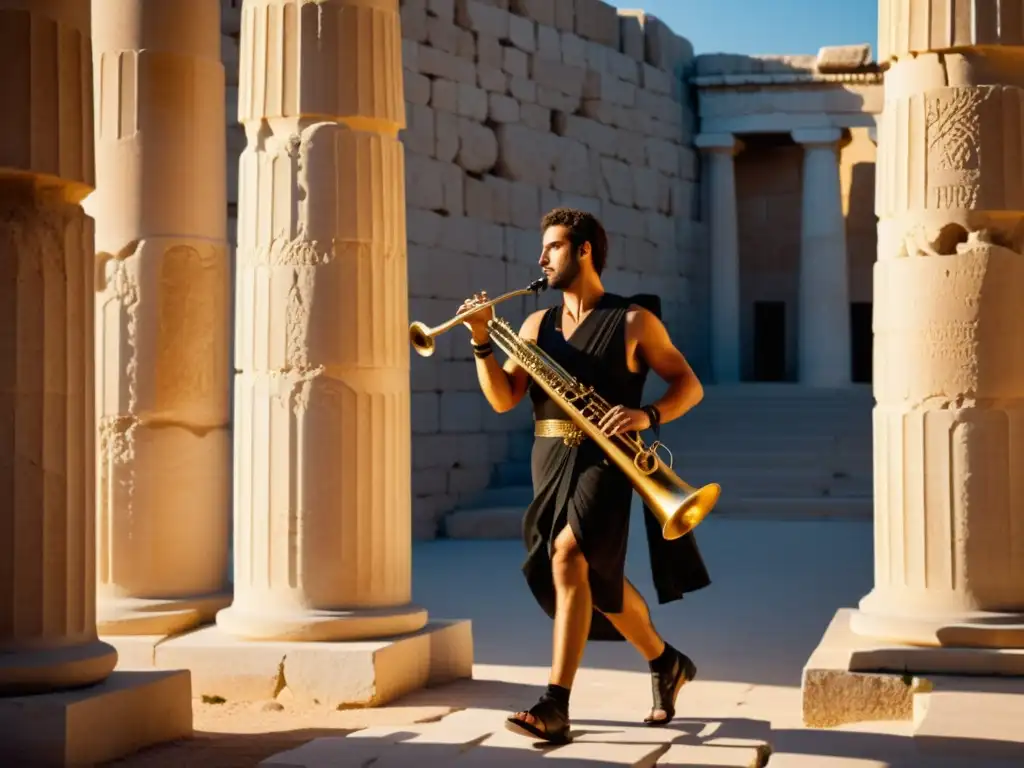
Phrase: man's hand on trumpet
[620,419]
[477,322]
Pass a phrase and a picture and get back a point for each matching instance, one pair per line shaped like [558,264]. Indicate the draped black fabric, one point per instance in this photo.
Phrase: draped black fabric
[580,487]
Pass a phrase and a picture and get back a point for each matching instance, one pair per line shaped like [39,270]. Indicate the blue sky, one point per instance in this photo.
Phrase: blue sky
[766,26]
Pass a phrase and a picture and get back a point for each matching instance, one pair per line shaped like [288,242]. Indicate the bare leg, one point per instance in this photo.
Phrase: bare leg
[634,623]
[573,613]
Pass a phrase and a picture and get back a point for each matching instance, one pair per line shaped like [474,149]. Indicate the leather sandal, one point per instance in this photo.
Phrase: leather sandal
[551,716]
[666,687]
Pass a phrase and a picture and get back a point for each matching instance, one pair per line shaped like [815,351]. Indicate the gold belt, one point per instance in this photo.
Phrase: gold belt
[571,434]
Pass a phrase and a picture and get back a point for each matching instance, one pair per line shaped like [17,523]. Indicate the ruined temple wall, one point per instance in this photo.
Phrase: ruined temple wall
[515,107]
[769,191]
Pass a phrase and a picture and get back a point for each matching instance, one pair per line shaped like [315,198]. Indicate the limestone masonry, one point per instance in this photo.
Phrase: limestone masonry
[514,108]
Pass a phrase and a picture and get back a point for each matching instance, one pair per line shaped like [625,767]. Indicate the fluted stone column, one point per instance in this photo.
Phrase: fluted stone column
[322,436]
[719,149]
[163,316]
[824,313]
[48,636]
[949,377]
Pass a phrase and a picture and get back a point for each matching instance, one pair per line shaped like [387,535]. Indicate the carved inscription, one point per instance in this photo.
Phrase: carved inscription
[953,126]
[955,196]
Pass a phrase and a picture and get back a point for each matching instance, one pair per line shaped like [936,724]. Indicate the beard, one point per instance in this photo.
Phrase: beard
[566,276]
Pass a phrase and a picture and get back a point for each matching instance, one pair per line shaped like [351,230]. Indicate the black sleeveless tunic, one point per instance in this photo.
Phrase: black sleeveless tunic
[582,488]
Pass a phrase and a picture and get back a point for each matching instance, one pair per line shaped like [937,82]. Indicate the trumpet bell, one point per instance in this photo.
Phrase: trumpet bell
[689,514]
[421,339]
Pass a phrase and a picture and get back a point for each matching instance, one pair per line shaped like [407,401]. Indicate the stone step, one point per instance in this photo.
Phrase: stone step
[484,523]
[505,522]
[808,482]
[774,392]
[697,442]
[854,463]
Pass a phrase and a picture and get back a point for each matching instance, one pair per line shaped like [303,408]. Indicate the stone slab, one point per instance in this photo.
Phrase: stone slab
[972,718]
[836,691]
[727,757]
[477,737]
[850,678]
[127,712]
[333,674]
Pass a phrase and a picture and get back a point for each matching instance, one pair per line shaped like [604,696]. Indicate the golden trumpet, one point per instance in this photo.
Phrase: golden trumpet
[678,506]
[422,337]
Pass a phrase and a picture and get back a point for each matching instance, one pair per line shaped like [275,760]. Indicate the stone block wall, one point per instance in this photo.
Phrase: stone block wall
[515,107]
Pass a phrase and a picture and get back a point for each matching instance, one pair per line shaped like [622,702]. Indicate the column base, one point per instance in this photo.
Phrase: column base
[851,678]
[979,629]
[55,669]
[321,626]
[127,712]
[141,616]
[368,673]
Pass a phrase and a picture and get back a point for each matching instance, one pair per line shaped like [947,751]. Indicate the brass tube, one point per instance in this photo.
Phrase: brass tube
[422,337]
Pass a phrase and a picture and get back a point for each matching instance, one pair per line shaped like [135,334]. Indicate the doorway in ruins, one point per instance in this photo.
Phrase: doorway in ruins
[769,190]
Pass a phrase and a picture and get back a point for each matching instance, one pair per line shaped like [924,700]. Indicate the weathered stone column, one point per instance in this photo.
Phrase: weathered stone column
[949,372]
[47,549]
[719,149]
[824,313]
[163,316]
[322,433]
[949,382]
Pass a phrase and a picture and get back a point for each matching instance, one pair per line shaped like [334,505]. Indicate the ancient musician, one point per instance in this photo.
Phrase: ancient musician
[575,530]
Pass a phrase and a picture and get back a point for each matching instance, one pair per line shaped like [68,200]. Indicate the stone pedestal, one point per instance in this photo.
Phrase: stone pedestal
[59,702]
[322,434]
[163,316]
[949,376]
[719,151]
[824,303]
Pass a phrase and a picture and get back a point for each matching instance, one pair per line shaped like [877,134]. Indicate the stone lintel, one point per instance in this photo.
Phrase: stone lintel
[717,142]
[812,136]
[127,712]
[785,122]
[872,75]
[850,678]
[335,674]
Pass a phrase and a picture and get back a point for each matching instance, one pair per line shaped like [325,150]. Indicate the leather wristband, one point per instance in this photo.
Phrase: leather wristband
[655,416]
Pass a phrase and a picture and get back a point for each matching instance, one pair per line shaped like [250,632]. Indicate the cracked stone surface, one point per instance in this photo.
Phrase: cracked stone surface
[750,634]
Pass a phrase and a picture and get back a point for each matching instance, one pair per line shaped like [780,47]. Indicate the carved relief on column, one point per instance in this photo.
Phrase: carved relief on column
[949,377]
[47,410]
[719,149]
[164,316]
[322,456]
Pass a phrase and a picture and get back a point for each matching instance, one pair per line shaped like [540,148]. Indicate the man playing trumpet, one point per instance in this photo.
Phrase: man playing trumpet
[575,530]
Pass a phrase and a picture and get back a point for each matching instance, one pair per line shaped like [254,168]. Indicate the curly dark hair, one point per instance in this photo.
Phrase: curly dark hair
[583,228]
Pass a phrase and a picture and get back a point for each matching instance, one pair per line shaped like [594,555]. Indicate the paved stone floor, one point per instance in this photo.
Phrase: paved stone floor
[776,586]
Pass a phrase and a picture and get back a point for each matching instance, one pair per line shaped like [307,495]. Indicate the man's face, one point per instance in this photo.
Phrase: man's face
[558,259]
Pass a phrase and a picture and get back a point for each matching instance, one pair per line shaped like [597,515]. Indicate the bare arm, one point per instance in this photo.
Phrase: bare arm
[504,386]
[654,346]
